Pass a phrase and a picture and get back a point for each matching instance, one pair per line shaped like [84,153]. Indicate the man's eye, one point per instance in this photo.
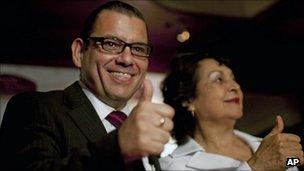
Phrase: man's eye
[111,44]
[139,49]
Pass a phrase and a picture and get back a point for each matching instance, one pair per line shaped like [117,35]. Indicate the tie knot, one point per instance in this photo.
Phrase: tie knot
[116,118]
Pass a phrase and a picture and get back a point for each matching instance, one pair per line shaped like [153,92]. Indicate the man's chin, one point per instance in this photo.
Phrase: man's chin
[121,97]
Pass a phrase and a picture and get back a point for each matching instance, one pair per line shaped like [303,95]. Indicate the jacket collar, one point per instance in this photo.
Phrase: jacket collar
[101,108]
[82,113]
[200,159]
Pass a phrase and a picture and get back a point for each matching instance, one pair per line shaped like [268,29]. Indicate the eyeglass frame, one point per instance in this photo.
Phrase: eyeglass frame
[125,44]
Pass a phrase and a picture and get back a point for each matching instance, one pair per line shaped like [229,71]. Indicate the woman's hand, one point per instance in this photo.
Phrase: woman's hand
[275,149]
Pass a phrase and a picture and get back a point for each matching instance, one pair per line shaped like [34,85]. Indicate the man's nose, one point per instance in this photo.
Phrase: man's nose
[125,58]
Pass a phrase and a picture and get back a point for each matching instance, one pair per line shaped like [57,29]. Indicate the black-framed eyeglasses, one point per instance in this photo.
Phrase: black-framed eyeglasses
[114,45]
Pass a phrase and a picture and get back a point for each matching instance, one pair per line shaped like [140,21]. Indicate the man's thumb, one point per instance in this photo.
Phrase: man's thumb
[147,91]
[278,128]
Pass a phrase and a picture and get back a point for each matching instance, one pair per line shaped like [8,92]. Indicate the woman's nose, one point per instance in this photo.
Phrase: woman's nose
[234,86]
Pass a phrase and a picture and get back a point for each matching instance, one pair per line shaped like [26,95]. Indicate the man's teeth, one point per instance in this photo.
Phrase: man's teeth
[120,74]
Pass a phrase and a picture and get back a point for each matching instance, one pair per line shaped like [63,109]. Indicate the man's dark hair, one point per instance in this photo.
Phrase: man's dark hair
[116,6]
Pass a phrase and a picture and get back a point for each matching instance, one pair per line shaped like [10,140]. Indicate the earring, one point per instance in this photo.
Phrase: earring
[192,112]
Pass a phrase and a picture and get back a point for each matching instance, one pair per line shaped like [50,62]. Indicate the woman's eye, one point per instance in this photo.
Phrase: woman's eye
[219,79]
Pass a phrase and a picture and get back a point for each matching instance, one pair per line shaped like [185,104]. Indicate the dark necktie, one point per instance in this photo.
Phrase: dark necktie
[116,118]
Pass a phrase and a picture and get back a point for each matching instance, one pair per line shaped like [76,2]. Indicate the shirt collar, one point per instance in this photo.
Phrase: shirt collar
[191,146]
[100,107]
[252,141]
[201,160]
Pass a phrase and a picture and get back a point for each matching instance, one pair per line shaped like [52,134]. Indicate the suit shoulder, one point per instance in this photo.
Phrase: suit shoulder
[41,96]
[33,100]
[30,107]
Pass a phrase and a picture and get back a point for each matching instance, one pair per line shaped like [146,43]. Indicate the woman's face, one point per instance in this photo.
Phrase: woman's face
[218,95]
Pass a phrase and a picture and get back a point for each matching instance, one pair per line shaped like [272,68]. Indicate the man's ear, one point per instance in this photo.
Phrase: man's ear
[77,51]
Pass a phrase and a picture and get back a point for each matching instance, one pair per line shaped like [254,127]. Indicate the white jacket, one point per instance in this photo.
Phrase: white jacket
[191,156]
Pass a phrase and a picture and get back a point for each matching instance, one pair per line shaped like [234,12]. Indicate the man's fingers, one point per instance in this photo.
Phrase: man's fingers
[147,91]
[167,125]
[155,148]
[164,123]
[278,128]
[164,110]
[160,136]
[149,125]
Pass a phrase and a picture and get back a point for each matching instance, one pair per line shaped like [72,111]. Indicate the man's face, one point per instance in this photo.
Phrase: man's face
[115,77]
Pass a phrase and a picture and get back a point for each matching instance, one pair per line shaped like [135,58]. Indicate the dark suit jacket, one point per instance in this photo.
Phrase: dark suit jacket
[57,130]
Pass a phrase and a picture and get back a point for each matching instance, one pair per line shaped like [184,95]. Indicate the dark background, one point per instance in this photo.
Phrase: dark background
[266,49]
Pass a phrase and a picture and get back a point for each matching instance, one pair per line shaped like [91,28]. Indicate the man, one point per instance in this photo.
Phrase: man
[70,129]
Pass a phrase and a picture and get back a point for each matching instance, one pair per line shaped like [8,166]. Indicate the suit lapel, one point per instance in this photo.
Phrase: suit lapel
[83,113]
[85,117]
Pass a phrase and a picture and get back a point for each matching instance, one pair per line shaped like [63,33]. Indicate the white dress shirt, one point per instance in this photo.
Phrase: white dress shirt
[103,110]
[192,156]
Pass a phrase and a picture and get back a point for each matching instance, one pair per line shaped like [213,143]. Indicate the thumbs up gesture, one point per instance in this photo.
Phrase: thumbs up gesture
[147,129]
[275,148]
[278,128]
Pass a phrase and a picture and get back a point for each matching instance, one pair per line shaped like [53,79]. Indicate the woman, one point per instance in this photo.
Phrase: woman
[208,101]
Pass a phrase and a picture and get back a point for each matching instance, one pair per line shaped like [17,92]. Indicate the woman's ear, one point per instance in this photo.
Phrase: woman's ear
[77,51]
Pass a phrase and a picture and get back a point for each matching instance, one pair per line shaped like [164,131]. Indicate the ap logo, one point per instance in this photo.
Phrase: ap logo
[292,161]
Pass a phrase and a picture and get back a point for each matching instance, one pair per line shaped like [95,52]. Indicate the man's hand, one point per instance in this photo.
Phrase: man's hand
[275,149]
[144,133]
